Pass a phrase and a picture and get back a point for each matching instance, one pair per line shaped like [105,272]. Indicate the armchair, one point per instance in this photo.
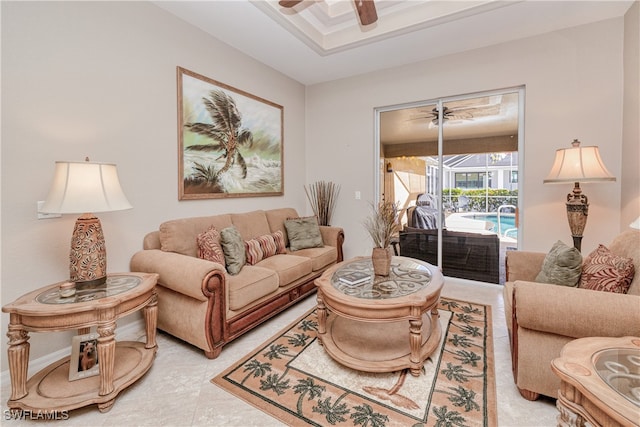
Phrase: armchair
[542,318]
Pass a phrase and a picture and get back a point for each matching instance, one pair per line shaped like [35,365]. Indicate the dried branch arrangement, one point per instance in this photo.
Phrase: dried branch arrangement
[323,196]
[382,224]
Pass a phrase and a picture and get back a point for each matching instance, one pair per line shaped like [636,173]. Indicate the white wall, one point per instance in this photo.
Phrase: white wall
[98,79]
[630,189]
[573,82]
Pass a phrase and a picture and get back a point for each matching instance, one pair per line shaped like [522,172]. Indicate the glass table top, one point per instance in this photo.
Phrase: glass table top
[620,369]
[357,279]
[115,285]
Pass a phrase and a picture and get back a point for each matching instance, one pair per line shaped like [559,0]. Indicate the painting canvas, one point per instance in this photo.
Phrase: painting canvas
[230,142]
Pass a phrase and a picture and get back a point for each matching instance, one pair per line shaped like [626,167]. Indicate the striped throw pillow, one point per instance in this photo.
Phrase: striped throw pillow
[254,251]
[268,245]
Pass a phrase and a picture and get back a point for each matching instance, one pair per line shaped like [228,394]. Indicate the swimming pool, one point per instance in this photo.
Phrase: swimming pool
[507,222]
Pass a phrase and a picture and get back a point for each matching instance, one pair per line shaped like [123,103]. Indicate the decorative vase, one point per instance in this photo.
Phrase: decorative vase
[381,260]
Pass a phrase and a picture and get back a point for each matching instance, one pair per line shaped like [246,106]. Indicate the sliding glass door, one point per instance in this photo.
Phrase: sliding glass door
[452,167]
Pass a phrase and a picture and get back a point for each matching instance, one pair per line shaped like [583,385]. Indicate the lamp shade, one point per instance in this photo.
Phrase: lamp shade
[578,164]
[80,187]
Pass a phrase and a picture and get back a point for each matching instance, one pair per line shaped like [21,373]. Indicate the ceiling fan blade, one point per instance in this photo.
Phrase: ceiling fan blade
[366,11]
[289,3]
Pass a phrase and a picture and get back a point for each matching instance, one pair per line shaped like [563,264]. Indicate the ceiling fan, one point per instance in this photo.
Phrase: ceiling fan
[462,110]
[447,114]
[366,9]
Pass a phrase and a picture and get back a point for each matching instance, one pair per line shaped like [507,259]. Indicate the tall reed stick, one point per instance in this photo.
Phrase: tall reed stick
[323,197]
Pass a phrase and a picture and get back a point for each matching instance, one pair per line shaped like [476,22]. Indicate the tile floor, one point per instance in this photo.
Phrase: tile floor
[176,391]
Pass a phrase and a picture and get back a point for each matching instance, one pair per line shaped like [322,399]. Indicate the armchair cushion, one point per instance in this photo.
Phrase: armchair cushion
[561,266]
[606,271]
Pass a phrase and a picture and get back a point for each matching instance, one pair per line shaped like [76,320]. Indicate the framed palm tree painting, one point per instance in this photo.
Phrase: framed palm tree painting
[230,142]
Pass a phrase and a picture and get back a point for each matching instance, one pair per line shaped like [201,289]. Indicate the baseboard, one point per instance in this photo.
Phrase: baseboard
[37,365]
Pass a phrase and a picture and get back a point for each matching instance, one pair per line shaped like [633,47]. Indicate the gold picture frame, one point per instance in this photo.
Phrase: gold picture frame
[84,357]
[230,141]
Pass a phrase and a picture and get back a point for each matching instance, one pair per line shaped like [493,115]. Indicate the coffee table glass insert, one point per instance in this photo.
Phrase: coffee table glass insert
[406,277]
[620,369]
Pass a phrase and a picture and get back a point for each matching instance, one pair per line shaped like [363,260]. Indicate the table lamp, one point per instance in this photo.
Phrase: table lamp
[84,188]
[578,164]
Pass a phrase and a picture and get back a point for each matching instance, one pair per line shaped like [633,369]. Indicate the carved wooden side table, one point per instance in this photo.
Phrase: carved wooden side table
[600,382]
[120,364]
[382,324]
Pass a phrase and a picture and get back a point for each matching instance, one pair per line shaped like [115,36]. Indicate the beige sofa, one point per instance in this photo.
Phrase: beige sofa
[542,318]
[202,304]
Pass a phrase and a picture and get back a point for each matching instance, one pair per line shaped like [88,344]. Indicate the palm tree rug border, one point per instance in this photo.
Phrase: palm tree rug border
[291,378]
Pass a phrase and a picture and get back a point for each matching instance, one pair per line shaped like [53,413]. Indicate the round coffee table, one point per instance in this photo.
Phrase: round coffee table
[381,324]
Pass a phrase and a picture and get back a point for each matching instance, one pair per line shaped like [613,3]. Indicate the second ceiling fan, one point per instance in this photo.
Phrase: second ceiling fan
[366,9]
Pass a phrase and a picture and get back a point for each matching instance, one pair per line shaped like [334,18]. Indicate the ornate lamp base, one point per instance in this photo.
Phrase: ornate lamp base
[577,211]
[88,256]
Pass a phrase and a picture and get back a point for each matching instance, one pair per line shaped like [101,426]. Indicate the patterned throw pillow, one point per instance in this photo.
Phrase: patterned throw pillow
[268,245]
[254,251]
[605,271]
[303,233]
[561,266]
[233,248]
[209,246]
[281,247]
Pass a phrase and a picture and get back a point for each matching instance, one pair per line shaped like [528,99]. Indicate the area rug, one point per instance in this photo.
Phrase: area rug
[292,378]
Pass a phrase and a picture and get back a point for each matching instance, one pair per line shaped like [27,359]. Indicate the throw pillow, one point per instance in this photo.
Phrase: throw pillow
[233,248]
[281,247]
[605,271]
[561,266]
[209,246]
[253,251]
[268,245]
[303,233]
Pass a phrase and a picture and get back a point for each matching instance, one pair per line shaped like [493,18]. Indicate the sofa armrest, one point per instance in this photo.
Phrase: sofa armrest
[333,236]
[523,265]
[181,273]
[575,312]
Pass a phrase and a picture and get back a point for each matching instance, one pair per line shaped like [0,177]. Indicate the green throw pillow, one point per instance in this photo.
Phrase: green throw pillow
[303,233]
[561,266]
[233,248]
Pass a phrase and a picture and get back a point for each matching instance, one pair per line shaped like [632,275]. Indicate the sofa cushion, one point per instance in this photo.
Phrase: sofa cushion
[289,268]
[276,219]
[561,266]
[250,284]
[303,233]
[251,224]
[209,246]
[233,248]
[320,257]
[606,271]
[180,235]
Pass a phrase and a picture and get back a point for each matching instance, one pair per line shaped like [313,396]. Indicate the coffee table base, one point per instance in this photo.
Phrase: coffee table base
[380,346]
